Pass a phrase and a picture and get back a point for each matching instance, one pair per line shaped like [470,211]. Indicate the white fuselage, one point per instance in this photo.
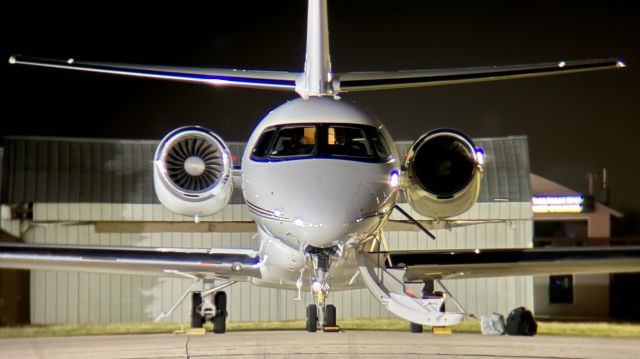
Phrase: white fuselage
[316,200]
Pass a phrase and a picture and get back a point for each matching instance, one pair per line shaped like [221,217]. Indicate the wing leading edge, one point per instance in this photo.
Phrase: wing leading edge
[454,264]
[237,264]
[278,80]
[366,81]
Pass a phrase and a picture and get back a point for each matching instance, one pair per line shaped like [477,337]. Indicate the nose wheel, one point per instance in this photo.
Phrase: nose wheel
[312,318]
[329,317]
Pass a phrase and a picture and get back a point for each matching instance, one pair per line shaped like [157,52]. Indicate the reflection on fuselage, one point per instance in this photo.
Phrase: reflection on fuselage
[311,182]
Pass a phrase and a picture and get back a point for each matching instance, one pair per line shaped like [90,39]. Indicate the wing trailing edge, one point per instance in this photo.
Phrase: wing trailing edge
[469,263]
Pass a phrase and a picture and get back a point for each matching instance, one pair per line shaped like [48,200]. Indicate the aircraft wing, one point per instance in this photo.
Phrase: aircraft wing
[278,80]
[469,263]
[236,264]
[365,81]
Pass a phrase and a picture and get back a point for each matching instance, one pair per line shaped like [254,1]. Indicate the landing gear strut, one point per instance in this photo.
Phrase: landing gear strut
[321,314]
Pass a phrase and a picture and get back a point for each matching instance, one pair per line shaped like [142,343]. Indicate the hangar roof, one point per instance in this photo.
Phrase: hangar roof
[69,170]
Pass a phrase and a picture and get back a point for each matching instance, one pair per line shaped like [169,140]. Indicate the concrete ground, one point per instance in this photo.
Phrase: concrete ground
[294,344]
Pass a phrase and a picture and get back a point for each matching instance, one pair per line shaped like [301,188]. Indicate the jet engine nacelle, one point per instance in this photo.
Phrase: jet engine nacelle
[443,174]
[192,172]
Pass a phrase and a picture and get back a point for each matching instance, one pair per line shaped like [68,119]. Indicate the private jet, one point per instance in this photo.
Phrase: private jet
[321,177]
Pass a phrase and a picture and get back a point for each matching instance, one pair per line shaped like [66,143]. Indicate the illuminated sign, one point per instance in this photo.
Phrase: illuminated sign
[562,204]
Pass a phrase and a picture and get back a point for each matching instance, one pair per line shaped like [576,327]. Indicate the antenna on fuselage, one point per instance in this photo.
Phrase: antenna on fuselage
[317,79]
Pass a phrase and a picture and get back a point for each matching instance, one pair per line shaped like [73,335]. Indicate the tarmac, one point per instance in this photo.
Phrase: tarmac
[296,344]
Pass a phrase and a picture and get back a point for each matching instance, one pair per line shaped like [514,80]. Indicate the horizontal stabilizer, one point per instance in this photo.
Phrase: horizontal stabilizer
[277,80]
[384,80]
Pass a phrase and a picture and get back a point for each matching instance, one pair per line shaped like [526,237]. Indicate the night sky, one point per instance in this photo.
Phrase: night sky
[575,123]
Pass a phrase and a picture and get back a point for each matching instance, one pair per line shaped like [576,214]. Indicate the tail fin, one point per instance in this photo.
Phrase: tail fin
[317,78]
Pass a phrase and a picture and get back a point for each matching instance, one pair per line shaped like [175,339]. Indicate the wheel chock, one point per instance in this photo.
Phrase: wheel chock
[196,331]
[441,330]
[331,329]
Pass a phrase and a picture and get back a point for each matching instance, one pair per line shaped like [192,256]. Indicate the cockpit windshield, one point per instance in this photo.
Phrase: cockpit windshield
[294,141]
[346,141]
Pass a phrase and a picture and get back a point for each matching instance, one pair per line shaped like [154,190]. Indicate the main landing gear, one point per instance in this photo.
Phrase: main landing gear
[321,314]
[208,304]
[203,311]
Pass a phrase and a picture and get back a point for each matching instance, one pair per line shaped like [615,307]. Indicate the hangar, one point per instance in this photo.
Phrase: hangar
[100,192]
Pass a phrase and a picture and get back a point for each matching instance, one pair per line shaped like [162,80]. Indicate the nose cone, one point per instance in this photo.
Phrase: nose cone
[337,200]
[327,221]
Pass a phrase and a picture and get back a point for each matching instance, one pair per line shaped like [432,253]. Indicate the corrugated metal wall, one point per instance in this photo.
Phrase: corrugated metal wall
[60,297]
[80,180]
[60,170]
[38,169]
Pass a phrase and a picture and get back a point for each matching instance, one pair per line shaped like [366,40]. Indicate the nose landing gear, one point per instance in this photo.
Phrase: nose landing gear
[321,314]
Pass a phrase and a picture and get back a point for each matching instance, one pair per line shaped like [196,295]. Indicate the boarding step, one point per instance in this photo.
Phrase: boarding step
[388,286]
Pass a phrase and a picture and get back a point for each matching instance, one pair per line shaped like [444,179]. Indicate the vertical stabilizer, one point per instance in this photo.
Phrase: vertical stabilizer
[317,77]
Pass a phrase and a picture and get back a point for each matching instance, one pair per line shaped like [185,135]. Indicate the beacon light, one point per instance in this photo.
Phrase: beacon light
[394,178]
[480,155]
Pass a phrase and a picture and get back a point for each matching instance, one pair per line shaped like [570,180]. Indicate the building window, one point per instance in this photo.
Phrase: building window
[561,289]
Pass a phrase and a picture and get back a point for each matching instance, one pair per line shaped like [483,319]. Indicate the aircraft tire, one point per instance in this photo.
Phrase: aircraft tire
[312,318]
[220,319]
[196,318]
[330,316]
[415,328]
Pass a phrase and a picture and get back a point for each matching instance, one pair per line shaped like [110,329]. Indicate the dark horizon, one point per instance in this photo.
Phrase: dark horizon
[575,123]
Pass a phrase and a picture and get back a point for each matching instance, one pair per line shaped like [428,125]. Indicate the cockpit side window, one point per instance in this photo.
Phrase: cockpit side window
[262,145]
[295,141]
[380,145]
